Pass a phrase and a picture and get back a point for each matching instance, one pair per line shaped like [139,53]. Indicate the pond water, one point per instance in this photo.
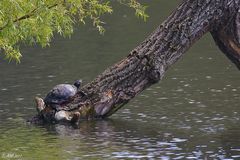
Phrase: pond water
[193,113]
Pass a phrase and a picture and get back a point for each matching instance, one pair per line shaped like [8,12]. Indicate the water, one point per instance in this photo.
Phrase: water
[193,113]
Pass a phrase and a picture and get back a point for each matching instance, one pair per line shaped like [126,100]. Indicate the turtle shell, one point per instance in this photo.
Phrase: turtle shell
[60,94]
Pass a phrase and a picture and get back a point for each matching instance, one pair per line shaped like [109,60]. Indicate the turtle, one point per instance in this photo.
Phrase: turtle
[50,108]
[62,93]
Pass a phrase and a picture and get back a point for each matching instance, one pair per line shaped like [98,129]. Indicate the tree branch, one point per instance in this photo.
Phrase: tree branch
[227,39]
[29,15]
[146,64]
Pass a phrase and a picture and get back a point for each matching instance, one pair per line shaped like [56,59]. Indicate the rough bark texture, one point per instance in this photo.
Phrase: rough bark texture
[147,63]
[227,37]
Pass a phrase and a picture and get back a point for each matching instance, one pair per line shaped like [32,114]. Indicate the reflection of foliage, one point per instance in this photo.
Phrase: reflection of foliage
[35,21]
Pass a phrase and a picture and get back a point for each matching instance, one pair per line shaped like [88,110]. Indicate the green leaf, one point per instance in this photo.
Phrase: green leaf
[36,21]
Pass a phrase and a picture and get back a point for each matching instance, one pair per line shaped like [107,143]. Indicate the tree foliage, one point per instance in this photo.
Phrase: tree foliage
[35,21]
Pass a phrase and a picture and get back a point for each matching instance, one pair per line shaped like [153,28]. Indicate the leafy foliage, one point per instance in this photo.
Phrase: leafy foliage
[35,21]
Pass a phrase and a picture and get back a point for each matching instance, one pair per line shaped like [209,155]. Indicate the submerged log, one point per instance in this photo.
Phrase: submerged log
[147,63]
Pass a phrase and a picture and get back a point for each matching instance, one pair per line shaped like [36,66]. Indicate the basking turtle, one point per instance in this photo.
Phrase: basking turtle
[62,93]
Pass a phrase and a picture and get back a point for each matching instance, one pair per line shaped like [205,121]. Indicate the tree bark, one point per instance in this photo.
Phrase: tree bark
[227,37]
[147,63]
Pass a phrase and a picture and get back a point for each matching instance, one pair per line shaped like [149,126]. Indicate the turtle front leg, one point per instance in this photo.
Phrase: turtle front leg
[44,111]
[40,105]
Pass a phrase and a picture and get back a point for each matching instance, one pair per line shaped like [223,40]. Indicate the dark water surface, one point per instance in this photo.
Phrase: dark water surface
[192,114]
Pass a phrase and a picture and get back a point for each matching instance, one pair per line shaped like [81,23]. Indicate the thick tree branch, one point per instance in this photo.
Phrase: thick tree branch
[228,38]
[147,63]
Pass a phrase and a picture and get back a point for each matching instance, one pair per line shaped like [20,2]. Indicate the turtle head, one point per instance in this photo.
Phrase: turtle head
[78,83]
[40,105]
